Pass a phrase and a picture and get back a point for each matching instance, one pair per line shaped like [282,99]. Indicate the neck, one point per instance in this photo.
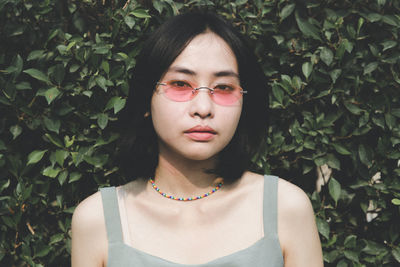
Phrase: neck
[182,177]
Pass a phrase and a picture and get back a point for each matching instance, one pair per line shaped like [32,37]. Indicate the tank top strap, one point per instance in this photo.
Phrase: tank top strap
[111,214]
[270,205]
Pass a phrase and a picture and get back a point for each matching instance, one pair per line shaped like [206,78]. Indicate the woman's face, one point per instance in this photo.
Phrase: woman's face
[197,129]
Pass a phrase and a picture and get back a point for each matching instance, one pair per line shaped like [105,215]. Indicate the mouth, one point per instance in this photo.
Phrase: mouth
[201,133]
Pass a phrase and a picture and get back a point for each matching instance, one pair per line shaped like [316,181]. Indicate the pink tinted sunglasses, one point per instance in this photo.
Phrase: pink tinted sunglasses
[221,94]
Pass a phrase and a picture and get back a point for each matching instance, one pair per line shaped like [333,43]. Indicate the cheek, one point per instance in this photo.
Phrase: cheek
[157,115]
[231,121]
[164,116]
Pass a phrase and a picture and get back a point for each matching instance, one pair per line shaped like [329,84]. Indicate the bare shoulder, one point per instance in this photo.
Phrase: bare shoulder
[296,227]
[294,207]
[292,200]
[89,207]
[89,213]
[89,238]
[249,177]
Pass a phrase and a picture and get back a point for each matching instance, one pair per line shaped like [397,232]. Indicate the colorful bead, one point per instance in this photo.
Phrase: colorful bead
[185,198]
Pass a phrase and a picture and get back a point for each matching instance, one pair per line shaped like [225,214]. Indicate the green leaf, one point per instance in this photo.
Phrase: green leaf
[391,20]
[102,120]
[4,185]
[105,66]
[335,74]
[326,56]
[58,73]
[373,248]
[307,168]
[8,221]
[129,21]
[307,69]
[10,91]
[23,86]
[374,17]
[101,82]
[341,149]
[306,28]
[395,112]
[35,156]
[27,192]
[56,238]
[51,94]
[158,5]
[370,67]
[43,251]
[15,130]
[55,140]
[69,141]
[379,121]
[297,82]
[323,227]
[38,75]
[396,201]
[360,23]
[61,155]
[332,161]
[286,11]
[140,13]
[351,255]
[35,54]
[332,255]
[117,103]
[2,145]
[18,65]
[97,161]
[390,121]
[365,154]
[278,93]
[353,108]
[52,124]
[348,45]
[74,176]
[396,253]
[62,177]
[51,171]
[334,189]
[388,44]
[342,263]
[350,241]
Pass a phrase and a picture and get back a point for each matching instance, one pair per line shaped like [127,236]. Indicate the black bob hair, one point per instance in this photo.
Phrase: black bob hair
[139,150]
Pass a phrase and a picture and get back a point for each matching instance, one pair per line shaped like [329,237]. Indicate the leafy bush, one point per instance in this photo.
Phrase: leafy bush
[333,67]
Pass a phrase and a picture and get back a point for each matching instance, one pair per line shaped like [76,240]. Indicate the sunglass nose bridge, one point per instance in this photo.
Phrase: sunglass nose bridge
[203,88]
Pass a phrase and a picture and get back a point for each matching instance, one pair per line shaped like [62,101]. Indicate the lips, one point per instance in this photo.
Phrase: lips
[200,133]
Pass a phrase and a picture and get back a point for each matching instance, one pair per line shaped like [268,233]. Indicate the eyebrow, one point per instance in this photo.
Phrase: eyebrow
[223,73]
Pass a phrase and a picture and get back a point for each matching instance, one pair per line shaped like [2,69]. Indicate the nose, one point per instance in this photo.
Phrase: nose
[202,105]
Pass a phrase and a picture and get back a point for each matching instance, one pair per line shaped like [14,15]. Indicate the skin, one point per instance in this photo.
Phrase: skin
[162,227]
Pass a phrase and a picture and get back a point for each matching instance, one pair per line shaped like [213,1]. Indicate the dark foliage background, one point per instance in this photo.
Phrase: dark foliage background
[333,67]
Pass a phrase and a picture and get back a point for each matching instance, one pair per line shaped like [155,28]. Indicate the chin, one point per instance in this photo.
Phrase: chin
[200,156]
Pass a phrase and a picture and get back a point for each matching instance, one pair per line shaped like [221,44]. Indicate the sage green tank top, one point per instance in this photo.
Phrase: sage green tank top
[266,252]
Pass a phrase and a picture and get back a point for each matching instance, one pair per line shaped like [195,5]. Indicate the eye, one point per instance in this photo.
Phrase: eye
[225,87]
[179,84]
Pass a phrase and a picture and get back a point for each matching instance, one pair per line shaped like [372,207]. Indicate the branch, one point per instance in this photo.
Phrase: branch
[126,4]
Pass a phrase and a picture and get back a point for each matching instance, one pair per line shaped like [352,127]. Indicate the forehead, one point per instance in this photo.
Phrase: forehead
[207,53]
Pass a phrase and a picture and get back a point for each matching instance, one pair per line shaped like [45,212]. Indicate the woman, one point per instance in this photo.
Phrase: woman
[197,110]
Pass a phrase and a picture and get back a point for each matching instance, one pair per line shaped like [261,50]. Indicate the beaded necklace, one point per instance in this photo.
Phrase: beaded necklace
[215,189]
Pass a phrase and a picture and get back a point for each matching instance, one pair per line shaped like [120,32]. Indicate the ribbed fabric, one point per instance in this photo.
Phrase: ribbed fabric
[266,252]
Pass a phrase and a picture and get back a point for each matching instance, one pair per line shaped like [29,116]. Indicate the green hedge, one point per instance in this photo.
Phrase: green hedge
[333,67]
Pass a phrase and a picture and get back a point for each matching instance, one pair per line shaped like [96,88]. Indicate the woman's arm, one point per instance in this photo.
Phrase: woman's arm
[89,238]
[297,230]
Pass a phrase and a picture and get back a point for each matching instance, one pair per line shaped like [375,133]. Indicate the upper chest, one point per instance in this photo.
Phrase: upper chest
[196,231]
